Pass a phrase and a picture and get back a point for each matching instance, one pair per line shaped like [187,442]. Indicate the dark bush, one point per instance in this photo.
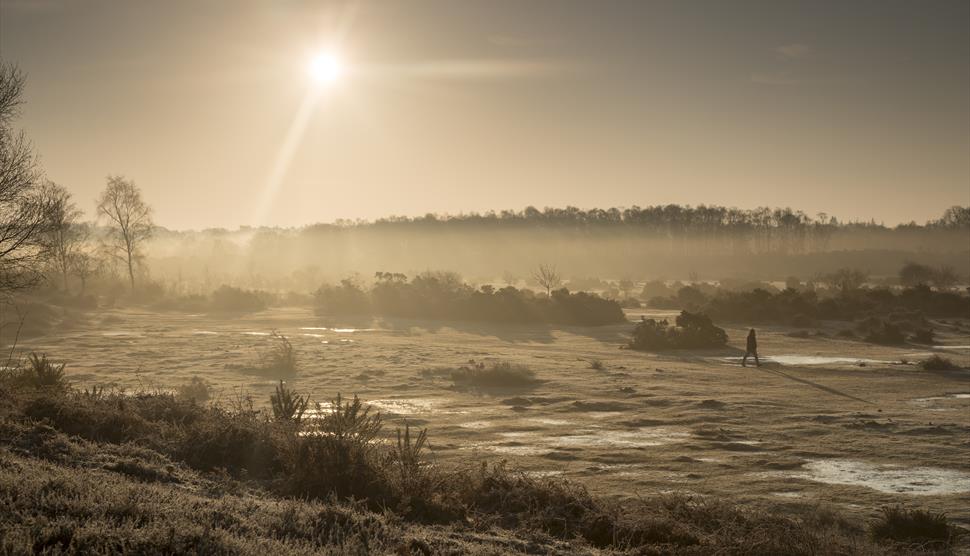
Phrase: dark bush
[443,295]
[923,336]
[692,331]
[228,299]
[913,526]
[887,334]
[937,363]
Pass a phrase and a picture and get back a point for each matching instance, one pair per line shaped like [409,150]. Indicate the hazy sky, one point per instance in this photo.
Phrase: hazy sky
[860,109]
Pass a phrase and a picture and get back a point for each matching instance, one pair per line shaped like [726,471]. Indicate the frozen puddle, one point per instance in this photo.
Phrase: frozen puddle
[892,479]
[596,438]
[204,333]
[411,406]
[942,398]
[255,333]
[809,360]
[951,347]
[338,330]
[121,334]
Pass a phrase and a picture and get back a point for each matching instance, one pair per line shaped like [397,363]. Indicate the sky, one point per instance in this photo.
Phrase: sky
[857,109]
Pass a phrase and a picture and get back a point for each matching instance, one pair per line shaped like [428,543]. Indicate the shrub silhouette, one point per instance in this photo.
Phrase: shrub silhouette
[279,360]
[235,300]
[692,331]
[443,295]
[497,375]
[937,363]
[287,404]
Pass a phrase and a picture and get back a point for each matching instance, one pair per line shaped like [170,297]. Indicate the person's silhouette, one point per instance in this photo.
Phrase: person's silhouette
[751,349]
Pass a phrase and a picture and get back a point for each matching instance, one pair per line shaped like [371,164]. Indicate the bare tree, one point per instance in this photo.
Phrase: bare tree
[22,211]
[548,277]
[130,219]
[63,234]
[84,265]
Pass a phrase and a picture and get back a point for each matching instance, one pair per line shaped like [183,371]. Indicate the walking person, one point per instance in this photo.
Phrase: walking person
[751,349]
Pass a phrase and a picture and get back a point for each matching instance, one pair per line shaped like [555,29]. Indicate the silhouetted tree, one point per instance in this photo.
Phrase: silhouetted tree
[63,235]
[548,277]
[22,211]
[130,220]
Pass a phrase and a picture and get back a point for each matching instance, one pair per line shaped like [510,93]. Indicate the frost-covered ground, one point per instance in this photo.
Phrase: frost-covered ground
[830,420]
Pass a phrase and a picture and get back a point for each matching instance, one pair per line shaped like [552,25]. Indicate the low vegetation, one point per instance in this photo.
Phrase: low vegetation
[914,527]
[938,363]
[154,473]
[692,330]
[443,295]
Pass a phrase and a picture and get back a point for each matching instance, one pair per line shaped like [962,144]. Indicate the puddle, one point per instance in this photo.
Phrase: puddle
[543,474]
[255,333]
[475,425]
[787,494]
[809,360]
[204,333]
[942,398]
[594,438]
[892,479]
[412,406]
[338,330]
[547,421]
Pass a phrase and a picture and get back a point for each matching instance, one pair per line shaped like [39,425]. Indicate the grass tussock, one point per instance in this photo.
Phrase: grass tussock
[913,527]
[278,359]
[101,472]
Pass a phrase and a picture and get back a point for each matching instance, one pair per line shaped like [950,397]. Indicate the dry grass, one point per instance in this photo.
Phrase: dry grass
[156,473]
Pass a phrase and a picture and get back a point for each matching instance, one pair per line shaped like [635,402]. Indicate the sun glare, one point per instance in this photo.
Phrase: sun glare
[325,68]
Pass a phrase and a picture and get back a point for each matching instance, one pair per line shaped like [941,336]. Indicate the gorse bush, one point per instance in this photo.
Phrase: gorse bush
[498,375]
[37,371]
[288,405]
[42,372]
[692,331]
[443,295]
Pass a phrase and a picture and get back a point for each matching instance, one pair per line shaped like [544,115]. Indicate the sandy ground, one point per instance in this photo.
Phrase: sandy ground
[833,421]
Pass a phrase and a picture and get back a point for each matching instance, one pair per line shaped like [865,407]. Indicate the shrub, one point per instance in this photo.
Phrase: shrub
[279,360]
[887,334]
[937,363]
[913,526]
[42,373]
[692,330]
[923,336]
[443,295]
[497,375]
[287,404]
[336,455]
[195,390]
[235,300]
[596,364]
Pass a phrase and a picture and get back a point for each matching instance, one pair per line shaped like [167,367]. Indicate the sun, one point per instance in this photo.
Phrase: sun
[325,68]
